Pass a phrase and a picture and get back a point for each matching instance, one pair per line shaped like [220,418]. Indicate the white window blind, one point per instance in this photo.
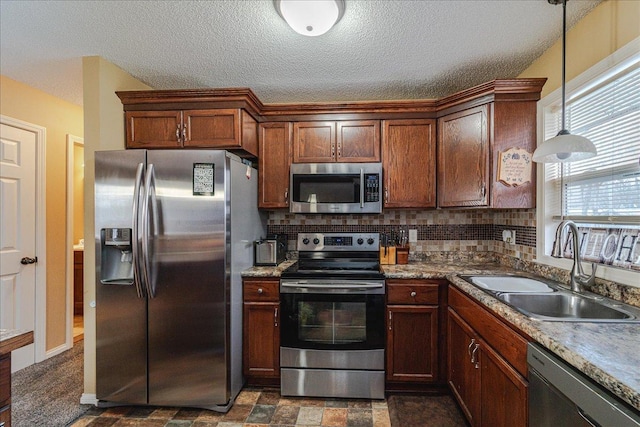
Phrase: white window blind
[605,188]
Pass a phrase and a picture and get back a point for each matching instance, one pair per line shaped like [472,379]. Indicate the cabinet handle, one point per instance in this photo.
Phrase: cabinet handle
[484,190]
[386,195]
[473,341]
[260,291]
[275,317]
[286,195]
[413,293]
[184,133]
[178,133]
[390,318]
[339,149]
[473,356]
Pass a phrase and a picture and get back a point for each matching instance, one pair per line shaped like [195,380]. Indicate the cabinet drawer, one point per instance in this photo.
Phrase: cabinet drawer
[261,290]
[412,293]
[504,339]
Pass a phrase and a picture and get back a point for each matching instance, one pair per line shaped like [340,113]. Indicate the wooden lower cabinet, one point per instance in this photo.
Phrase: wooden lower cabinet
[490,391]
[414,333]
[261,331]
[5,390]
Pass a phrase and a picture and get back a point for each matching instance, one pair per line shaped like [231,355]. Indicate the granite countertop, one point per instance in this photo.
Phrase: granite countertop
[609,353]
[13,339]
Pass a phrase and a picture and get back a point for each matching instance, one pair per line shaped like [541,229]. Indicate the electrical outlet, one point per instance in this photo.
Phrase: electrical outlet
[413,236]
[509,236]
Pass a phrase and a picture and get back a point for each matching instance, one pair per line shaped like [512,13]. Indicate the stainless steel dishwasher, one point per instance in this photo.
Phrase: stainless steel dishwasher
[559,395]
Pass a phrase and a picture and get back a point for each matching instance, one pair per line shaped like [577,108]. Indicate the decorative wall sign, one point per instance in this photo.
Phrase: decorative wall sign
[514,167]
[618,247]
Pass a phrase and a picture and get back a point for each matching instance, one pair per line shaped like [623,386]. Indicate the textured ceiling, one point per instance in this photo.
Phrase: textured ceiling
[379,50]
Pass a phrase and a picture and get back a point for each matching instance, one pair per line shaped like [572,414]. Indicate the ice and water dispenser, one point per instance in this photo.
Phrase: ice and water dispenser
[117,256]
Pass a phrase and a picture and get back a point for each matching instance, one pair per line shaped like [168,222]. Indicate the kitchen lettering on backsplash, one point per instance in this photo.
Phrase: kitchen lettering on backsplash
[618,247]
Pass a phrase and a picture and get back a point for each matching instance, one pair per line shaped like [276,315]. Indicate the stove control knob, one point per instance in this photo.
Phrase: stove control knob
[305,241]
[316,241]
[370,240]
[360,241]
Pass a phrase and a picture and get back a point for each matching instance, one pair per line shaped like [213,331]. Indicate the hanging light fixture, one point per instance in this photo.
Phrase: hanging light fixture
[564,147]
[310,17]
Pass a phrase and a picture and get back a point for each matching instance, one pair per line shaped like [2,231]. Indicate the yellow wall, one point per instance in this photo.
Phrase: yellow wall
[104,122]
[611,25]
[60,118]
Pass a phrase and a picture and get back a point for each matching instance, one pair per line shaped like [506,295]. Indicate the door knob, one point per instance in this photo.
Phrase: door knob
[27,260]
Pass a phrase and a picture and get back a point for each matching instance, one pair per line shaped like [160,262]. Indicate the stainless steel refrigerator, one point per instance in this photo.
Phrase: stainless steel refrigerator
[174,230]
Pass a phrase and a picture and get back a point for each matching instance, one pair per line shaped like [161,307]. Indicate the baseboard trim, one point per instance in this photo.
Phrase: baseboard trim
[89,399]
[57,350]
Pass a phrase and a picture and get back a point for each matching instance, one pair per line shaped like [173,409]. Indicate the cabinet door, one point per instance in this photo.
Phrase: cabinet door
[212,128]
[274,162]
[463,158]
[412,343]
[314,142]
[358,141]
[409,165]
[153,129]
[463,375]
[261,352]
[502,387]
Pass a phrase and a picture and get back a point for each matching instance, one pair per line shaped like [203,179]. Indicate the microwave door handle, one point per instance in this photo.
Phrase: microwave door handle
[362,188]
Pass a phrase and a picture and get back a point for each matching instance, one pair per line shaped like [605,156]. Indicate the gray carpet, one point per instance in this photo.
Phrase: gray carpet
[48,393]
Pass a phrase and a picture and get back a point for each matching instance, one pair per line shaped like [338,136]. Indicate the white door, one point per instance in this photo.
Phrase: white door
[17,236]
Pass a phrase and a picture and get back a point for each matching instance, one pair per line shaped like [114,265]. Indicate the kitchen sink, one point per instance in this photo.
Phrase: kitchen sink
[565,306]
[550,301]
[508,283]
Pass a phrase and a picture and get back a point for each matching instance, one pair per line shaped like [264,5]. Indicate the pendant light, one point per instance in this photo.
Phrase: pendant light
[564,147]
[310,17]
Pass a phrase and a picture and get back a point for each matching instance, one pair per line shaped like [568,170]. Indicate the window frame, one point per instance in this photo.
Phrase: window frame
[546,222]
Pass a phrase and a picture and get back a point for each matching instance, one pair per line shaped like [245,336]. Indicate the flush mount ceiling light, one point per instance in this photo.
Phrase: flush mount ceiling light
[310,17]
[564,147]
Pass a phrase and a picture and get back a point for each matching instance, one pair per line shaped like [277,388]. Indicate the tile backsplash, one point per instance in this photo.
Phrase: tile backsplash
[475,230]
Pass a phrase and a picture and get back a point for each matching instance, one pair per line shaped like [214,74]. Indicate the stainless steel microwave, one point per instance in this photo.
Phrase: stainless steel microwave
[336,188]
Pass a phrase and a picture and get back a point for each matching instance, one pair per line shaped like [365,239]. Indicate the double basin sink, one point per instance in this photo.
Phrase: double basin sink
[545,300]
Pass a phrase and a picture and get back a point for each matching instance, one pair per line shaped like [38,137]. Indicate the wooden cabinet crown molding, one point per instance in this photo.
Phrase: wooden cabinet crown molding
[496,90]
[188,99]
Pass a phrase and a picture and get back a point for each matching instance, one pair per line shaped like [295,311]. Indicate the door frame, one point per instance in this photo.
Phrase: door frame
[72,141]
[40,323]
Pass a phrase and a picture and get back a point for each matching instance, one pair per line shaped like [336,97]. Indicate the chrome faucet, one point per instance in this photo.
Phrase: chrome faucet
[578,278]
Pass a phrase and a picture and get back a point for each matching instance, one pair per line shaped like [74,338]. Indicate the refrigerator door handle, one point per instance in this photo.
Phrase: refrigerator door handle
[135,240]
[149,194]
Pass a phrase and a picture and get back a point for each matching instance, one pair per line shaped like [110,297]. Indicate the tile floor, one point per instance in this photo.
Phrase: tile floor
[253,408]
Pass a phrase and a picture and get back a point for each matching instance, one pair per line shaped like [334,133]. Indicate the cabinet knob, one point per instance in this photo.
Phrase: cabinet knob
[260,290]
[413,293]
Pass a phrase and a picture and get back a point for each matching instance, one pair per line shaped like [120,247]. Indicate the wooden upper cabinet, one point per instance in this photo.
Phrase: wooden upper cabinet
[358,141]
[314,142]
[409,163]
[463,158]
[344,141]
[274,162]
[229,129]
[153,129]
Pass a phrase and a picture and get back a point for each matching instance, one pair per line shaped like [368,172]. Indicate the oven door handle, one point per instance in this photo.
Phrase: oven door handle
[335,285]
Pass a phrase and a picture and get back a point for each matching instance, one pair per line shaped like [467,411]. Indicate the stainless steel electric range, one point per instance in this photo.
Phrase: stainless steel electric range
[332,318]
